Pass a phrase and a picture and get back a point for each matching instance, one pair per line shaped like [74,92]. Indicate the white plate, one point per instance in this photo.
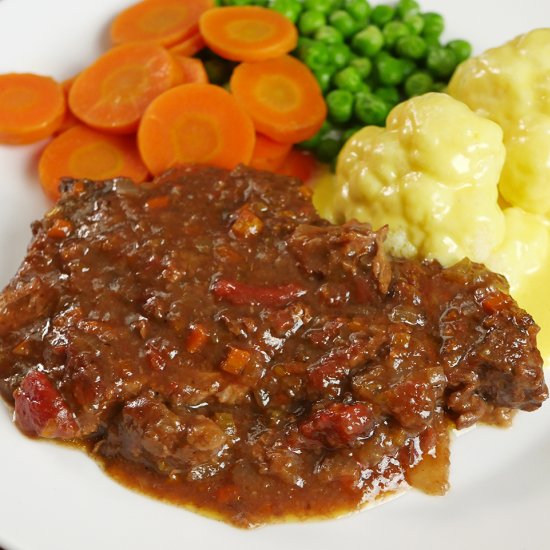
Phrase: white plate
[52,498]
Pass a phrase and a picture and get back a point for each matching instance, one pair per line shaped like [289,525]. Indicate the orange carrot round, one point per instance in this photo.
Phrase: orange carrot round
[192,70]
[81,152]
[31,107]
[163,21]
[268,154]
[298,164]
[113,92]
[282,97]
[190,46]
[195,124]
[248,33]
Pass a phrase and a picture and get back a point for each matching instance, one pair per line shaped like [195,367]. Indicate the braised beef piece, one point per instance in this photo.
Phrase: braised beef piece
[212,340]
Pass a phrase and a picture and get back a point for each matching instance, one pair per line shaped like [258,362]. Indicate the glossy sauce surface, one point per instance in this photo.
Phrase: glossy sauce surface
[215,343]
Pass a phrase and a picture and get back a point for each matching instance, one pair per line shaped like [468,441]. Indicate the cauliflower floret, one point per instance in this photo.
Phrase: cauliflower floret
[511,86]
[431,175]
[525,179]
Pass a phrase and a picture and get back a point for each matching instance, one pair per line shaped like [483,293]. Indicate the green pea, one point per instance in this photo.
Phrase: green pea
[368,42]
[325,6]
[407,7]
[326,127]
[441,62]
[382,54]
[415,22]
[340,105]
[316,55]
[311,143]
[329,145]
[343,22]
[393,31]
[390,70]
[408,66]
[434,24]
[370,109]
[432,40]
[341,55]
[329,35]
[382,14]
[364,87]
[418,83]
[303,44]
[291,9]
[411,47]
[390,94]
[363,65]
[324,77]
[359,10]
[238,2]
[461,49]
[311,21]
[348,79]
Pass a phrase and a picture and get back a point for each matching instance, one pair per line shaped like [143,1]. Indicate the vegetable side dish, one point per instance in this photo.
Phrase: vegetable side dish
[306,73]
[146,104]
[366,58]
[436,188]
[209,338]
[521,68]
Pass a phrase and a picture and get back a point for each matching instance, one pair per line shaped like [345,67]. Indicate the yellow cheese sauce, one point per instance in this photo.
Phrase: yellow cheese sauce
[534,296]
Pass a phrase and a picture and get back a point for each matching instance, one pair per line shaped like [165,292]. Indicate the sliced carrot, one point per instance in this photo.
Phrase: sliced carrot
[163,21]
[113,92]
[157,203]
[298,164]
[31,107]
[197,338]
[60,229]
[248,33]
[69,120]
[81,152]
[268,154]
[282,97]
[190,46]
[195,124]
[236,360]
[192,69]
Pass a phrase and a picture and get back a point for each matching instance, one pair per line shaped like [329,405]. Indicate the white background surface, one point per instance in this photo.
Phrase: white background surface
[53,498]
